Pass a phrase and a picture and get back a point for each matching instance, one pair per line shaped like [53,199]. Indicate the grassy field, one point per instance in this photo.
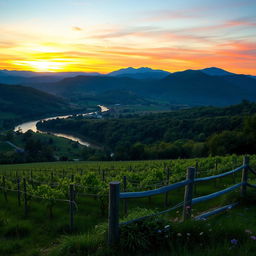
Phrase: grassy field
[62,147]
[39,233]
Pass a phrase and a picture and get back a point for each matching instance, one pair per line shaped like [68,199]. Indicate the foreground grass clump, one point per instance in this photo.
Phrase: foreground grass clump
[146,234]
[84,244]
[231,233]
[138,236]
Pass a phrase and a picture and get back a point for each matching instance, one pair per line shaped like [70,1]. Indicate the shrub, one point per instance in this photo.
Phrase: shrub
[144,234]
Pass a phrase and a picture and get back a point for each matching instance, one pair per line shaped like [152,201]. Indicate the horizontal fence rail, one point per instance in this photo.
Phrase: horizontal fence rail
[165,189]
[220,175]
[251,185]
[216,211]
[216,194]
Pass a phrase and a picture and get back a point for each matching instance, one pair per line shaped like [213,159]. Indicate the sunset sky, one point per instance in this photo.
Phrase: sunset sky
[105,35]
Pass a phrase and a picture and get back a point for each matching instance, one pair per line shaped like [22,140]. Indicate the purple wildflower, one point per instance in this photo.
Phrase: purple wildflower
[253,237]
[234,241]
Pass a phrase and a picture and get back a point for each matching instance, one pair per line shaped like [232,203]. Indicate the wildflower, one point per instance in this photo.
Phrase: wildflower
[253,237]
[188,207]
[201,233]
[179,234]
[234,241]
[188,234]
[248,231]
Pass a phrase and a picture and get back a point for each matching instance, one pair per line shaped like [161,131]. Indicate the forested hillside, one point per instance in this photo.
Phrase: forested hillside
[190,87]
[185,133]
[18,103]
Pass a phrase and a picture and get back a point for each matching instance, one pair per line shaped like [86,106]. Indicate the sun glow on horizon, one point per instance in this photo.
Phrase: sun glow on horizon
[41,65]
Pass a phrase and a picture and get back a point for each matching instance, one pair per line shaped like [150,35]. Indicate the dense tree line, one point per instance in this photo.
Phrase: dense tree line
[42,149]
[186,133]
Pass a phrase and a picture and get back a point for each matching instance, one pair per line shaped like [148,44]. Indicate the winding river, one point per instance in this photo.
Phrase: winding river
[31,125]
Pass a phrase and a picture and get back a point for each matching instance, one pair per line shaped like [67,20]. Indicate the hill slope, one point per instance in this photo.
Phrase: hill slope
[187,87]
[22,103]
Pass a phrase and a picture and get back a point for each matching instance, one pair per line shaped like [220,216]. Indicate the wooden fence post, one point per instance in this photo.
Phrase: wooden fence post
[18,188]
[113,218]
[25,197]
[71,206]
[167,183]
[125,200]
[216,168]
[244,176]
[196,175]
[188,195]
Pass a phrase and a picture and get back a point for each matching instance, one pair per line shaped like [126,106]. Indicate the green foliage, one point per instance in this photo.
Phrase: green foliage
[49,195]
[31,104]
[38,148]
[10,247]
[195,132]
[86,244]
[145,234]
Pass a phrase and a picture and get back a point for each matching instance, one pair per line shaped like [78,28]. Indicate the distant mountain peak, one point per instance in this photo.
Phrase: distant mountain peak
[214,71]
[140,73]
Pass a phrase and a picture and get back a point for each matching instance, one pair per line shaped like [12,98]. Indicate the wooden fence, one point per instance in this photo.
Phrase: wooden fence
[115,195]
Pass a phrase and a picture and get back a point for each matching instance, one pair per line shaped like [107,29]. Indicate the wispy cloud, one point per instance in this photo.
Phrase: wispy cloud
[77,29]
[162,15]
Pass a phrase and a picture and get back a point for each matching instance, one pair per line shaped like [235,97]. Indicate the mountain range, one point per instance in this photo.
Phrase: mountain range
[210,86]
[140,73]
[29,77]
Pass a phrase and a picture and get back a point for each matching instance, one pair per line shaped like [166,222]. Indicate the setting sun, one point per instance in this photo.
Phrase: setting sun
[41,65]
